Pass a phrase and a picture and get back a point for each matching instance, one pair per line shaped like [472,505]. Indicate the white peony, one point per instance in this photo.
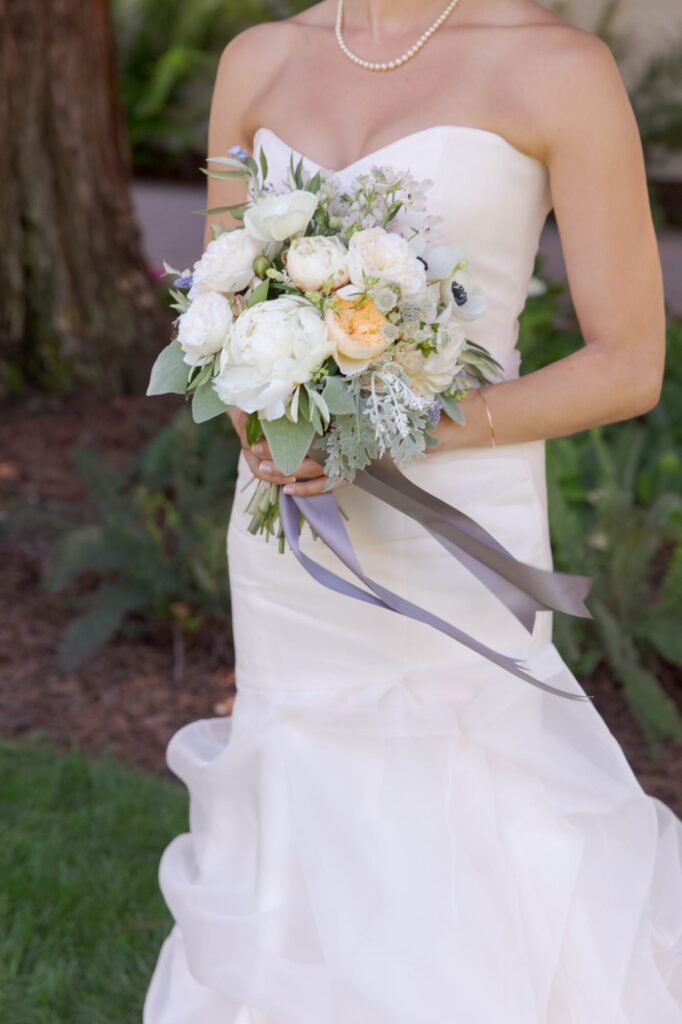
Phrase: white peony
[204,327]
[312,262]
[273,347]
[376,253]
[276,217]
[227,263]
[429,375]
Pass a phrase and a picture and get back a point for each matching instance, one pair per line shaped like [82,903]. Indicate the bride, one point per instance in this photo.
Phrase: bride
[389,829]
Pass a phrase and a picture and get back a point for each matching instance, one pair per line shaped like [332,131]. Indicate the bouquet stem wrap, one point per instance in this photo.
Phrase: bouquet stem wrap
[522,588]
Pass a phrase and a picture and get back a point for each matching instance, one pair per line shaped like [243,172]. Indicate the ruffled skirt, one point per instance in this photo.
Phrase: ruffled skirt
[389,830]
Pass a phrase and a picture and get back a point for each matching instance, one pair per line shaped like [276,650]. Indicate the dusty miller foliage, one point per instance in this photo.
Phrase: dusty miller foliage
[389,418]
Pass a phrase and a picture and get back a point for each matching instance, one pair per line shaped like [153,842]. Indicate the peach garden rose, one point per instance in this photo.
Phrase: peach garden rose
[359,331]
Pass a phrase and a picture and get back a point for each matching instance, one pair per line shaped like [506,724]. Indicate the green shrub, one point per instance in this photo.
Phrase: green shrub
[616,515]
[167,57]
[157,545]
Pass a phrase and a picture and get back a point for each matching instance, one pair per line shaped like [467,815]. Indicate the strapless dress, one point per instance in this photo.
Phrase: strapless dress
[390,829]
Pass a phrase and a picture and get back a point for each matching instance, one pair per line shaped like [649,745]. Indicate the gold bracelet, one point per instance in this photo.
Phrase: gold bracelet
[490,417]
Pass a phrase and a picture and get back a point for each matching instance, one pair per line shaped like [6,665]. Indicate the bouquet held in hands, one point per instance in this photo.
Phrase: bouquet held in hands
[328,315]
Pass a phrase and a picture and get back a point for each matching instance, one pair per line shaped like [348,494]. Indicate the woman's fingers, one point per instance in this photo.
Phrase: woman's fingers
[261,449]
[265,470]
[318,485]
[308,479]
[307,470]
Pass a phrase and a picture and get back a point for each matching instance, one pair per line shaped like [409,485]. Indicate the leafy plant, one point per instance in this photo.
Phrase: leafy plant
[168,52]
[616,515]
[157,546]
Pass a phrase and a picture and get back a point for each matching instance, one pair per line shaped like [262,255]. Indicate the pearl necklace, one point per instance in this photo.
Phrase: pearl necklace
[389,65]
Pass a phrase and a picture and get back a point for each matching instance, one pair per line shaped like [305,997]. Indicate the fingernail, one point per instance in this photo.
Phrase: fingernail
[289,489]
[257,449]
[265,467]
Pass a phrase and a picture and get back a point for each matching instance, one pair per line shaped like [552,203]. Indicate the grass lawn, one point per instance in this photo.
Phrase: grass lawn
[81,916]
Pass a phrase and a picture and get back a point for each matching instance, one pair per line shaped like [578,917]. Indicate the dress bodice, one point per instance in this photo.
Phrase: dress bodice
[493,198]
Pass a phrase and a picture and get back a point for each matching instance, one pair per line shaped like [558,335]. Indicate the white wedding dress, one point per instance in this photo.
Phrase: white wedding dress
[390,829]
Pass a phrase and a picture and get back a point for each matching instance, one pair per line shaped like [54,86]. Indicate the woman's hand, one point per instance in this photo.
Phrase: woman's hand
[309,478]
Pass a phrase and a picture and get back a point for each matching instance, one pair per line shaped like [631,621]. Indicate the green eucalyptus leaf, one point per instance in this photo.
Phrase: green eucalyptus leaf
[206,404]
[453,408]
[201,376]
[259,293]
[321,405]
[337,397]
[237,210]
[263,163]
[224,175]
[304,404]
[169,372]
[227,161]
[293,408]
[254,428]
[316,419]
[314,183]
[289,442]
[252,166]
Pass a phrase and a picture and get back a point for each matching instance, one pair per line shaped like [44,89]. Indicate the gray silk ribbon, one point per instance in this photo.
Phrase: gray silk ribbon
[522,588]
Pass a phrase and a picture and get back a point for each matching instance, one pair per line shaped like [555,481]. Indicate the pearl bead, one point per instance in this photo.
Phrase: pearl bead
[398,61]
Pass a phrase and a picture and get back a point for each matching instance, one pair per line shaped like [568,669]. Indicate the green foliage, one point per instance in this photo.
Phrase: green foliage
[157,546]
[616,515]
[657,99]
[81,915]
[168,54]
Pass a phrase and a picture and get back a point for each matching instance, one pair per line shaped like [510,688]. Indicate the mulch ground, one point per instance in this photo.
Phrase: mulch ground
[126,699]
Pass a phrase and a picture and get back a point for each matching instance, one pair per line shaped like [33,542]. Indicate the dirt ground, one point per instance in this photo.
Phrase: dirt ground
[125,700]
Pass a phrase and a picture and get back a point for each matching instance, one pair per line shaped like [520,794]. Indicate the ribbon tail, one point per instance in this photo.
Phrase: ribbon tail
[523,588]
[321,512]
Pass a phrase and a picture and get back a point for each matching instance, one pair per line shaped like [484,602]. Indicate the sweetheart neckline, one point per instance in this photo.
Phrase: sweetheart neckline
[373,154]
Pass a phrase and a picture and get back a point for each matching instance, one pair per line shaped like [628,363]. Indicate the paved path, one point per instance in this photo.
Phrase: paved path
[172,232]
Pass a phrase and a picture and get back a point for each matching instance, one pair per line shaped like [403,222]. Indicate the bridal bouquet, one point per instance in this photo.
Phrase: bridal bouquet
[330,317]
[333,318]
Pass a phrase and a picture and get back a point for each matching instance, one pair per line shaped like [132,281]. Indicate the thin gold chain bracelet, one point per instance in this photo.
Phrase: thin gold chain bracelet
[490,418]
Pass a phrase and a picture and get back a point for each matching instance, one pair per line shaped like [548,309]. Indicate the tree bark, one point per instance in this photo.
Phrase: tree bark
[77,303]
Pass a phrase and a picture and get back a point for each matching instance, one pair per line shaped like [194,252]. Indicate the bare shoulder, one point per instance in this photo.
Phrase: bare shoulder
[541,43]
[271,38]
[576,92]
[554,73]
[277,39]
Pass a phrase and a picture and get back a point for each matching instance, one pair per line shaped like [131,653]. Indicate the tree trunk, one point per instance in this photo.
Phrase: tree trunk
[78,305]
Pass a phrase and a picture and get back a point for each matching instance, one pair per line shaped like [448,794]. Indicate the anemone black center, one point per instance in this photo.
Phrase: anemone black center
[459,293]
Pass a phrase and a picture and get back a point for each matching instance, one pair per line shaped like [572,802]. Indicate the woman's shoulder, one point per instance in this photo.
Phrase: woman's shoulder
[550,73]
[530,29]
[277,39]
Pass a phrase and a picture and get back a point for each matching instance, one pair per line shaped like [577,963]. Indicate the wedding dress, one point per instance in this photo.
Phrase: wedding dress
[390,829]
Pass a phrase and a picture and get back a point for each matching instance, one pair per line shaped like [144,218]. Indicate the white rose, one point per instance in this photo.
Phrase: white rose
[311,262]
[376,253]
[204,327]
[273,347]
[276,217]
[227,263]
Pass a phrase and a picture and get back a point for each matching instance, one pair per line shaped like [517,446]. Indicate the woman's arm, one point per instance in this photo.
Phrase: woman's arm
[235,94]
[599,190]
